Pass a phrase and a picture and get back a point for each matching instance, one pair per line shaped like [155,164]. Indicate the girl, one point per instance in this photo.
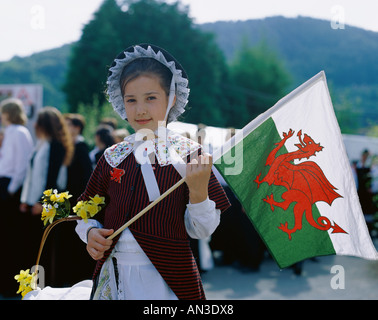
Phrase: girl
[152,258]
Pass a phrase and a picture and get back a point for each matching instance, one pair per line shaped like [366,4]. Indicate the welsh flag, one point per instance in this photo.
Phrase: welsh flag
[290,171]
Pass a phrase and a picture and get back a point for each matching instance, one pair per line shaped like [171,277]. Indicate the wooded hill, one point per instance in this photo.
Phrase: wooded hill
[348,57]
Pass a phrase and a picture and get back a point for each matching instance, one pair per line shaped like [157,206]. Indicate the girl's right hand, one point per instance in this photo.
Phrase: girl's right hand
[97,242]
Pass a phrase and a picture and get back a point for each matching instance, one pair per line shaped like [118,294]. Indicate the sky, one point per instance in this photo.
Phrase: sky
[29,26]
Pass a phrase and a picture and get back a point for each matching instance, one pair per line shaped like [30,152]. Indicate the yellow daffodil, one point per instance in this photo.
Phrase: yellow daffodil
[25,290]
[98,200]
[48,192]
[48,213]
[65,195]
[60,197]
[80,210]
[83,214]
[56,205]
[78,206]
[27,282]
[22,276]
[46,195]
[91,209]
[88,209]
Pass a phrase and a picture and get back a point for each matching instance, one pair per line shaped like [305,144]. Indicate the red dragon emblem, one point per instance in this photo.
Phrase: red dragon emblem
[305,182]
[116,174]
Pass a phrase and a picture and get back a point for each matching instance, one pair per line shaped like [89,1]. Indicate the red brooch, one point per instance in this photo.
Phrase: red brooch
[116,174]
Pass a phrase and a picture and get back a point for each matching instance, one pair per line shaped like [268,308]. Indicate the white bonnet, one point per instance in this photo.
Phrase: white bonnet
[147,51]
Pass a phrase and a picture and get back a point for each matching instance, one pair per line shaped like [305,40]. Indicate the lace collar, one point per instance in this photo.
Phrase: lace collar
[182,146]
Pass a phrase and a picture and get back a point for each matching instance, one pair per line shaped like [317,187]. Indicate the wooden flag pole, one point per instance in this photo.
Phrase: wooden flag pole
[152,204]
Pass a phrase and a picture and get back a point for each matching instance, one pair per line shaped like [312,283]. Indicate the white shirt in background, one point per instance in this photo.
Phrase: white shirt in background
[15,154]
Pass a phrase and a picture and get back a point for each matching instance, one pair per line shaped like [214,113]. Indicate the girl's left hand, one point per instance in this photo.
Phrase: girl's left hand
[198,176]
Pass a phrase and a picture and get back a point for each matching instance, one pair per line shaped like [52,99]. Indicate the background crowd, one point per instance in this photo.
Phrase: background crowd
[61,159]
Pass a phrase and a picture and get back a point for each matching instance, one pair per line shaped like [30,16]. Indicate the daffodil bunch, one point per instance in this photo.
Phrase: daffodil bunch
[55,205]
[56,209]
[87,209]
[27,282]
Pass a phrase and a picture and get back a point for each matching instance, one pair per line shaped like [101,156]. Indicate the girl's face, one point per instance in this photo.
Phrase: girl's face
[145,102]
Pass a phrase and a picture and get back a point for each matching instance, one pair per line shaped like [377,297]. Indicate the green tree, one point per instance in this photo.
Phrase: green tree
[159,23]
[91,57]
[348,117]
[259,78]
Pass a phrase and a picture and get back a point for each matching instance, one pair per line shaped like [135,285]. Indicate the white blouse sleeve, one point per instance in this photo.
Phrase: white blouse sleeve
[201,219]
[23,147]
[35,183]
[83,227]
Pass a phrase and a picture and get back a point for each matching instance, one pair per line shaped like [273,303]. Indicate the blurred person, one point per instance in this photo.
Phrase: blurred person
[15,152]
[53,153]
[354,172]
[374,190]
[80,169]
[72,251]
[1,137]
[16,148]
[364,161]
[120,134]
[364,183]
[109,121]
[111,124]
[103,140]
[54,150]
[374,175]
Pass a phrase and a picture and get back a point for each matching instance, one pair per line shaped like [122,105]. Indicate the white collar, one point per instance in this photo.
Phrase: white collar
[182,146]
[169,148]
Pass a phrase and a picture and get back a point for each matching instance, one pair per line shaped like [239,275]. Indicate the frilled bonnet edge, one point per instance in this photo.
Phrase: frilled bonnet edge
[147,51]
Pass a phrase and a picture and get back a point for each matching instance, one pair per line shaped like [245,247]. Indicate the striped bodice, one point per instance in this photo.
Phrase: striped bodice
[161,231]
